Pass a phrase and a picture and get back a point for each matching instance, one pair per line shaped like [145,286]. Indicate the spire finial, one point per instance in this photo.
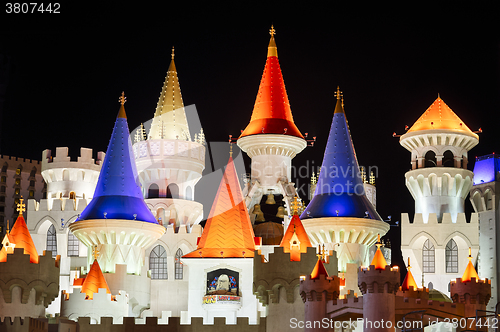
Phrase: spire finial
[8,224]
[122,100]
[21,207]
[470,254]
[272,31]
[378,243]
[231,149]
[409,267]
[339,95]
[95,252]
[295,205]
[173,54]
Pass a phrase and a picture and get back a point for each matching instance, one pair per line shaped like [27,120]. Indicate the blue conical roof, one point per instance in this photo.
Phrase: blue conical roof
[117,193]
[339,190]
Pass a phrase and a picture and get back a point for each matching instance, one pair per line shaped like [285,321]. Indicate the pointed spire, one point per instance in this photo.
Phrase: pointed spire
[378,259]
[339,106]
[20,237]
[319,269]
[122,100]
[295,229]
[117,194]
[272,113]
[339,190]
[170,120]
[228,231]
[94,281]
[470,271]
[409,280]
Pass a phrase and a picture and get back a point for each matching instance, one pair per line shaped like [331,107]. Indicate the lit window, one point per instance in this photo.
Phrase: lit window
[18,171]
[178,264]
[451,253]
[428,257]
[158,263]
[73,245]
[52,240]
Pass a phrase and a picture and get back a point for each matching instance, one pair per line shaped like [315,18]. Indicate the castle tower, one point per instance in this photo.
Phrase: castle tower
[28,282]
[438,239]
[485,202]
[340,213]
[379,284]
[271,139]
[221,268]
[169,163]
[316,290]
[94,299]
[117,220]
[474,293]
[295,240]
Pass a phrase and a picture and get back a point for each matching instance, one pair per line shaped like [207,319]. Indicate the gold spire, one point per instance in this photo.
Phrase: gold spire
[122,100]
[173,53]
[21,207]
[230,149]
[95,252]
[272,50]
[339,107]
[295,205]
[8,224]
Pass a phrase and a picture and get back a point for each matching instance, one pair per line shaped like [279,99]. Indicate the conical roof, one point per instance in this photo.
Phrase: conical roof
[272,113]
[378,259]
[117,194]
[440,116]
[296,227]
[339,190]
[170,120]
[470,271]
[319,269]
[409,280]
[93,281]
[228,231]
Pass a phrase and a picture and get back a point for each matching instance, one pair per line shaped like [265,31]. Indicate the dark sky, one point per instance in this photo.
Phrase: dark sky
[61,74]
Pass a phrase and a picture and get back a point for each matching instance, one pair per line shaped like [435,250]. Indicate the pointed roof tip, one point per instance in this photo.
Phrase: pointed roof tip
[21,237]
[172,63]
[339,106]
[378,259]
[272,50]
[122,100]
[319,269]
[470,271]
[409,280]
[94,281]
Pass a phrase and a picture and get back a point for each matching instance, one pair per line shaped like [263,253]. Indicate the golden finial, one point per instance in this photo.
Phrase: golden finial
[409,267]
[95,252]
[230,149]
[470,254]
[21,206]
[173,53]
[295,205]
[272,31]
[8,224]
[321,253]
[122,98]
[339,95]
[378,243]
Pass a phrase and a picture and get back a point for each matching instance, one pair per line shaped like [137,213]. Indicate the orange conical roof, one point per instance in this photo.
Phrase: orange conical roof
[409,280]
[319,269]
[378,259]
[440,116]
[295,227]
[21,237]
[228,231]
[470,271]
[272,113]
[93,281]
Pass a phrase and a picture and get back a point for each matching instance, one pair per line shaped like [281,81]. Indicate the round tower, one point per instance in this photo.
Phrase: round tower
[439,180]
[316,290]
[271,139]
[169,163]
[378,284]
[340,213]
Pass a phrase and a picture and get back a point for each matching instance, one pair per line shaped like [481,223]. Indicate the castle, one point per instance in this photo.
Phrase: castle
[124,246]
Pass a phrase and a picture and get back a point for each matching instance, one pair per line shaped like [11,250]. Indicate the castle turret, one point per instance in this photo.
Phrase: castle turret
[316,290]
[378,284]
[28,282]
[169,163]
[474,293]
[221,268]
[340,213]
[271,139]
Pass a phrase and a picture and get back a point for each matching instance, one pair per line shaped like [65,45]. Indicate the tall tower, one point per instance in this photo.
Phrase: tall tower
[438,239]
[169,163]
[271,139]
[340,213]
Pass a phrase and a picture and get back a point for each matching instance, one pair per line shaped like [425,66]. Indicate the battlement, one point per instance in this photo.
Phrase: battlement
[432,219]
[473,291]
[173,325]
[56,204]
[62,160]
[43,277]
[315,289]
[371,280]
[419,293]
[13,162]
[438,308]
[352,304]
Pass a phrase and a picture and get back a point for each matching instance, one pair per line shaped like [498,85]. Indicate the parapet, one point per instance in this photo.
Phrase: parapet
[62,160]
[473,291]
[371,280]
[322,286]
[432,219]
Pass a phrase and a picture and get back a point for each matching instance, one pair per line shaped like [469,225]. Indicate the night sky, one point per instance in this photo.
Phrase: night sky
[61,74]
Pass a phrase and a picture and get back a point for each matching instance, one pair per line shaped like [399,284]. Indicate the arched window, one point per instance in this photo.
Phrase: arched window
[173,191]
[153,191]
[448,159]
[158,263]
[428,257]
[73,245]
[451,253]
[430,159]
[72,195]
[178,264]
[52,240]
[189,193]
